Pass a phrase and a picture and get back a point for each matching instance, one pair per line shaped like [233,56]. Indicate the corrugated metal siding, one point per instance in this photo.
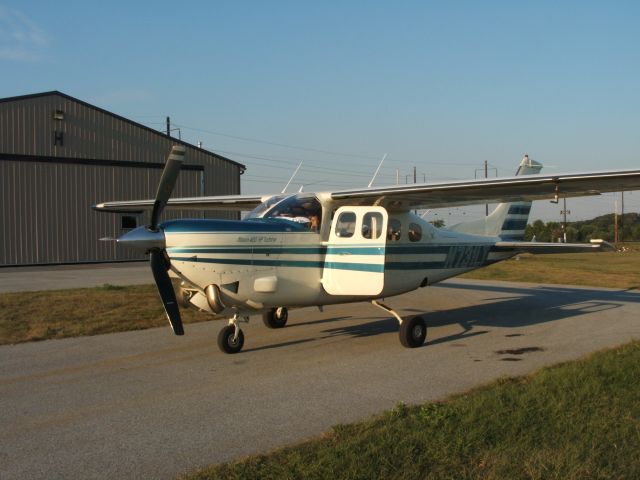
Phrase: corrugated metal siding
[27,127]
[45,214]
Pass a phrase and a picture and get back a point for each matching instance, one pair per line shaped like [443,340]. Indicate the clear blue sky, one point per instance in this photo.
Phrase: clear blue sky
[442,86]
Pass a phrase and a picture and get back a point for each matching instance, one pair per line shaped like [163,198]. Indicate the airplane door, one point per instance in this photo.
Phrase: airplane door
[354,261]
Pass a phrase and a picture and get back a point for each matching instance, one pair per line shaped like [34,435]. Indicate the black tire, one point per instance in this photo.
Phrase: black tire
[413,332]
[276,317]
[226,342]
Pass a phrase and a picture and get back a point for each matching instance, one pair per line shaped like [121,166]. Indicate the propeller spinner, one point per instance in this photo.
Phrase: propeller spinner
[152,239]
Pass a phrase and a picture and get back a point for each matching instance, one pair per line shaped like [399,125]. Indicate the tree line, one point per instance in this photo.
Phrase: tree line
[600,227]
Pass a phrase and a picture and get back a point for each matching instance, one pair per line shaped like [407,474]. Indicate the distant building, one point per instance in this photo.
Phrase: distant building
[60,155]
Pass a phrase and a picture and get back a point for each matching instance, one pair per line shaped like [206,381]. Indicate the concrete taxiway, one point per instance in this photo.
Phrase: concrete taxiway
[147,404]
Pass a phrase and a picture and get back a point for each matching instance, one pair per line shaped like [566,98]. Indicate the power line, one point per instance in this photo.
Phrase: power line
[311,149]
[283,145]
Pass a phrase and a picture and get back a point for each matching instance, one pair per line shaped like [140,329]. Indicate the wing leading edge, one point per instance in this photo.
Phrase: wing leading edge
[510,189]
[428,195]
[226,203]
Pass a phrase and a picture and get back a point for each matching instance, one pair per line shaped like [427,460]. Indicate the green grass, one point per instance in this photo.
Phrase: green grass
[579,420]
[30,316]
[607,269]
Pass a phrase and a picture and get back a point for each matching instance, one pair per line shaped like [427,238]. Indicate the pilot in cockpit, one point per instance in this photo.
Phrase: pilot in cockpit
[307,211]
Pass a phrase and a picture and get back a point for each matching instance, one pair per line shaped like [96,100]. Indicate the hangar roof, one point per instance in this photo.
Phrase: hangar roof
[119,117]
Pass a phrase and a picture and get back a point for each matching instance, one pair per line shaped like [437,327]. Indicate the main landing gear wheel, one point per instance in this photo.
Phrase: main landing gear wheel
[227,340]
[276,317]
[413,332]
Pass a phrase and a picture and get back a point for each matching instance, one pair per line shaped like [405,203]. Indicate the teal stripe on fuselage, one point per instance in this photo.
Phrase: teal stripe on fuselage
[321,250]
[274,250]
[413,265]
[363,267]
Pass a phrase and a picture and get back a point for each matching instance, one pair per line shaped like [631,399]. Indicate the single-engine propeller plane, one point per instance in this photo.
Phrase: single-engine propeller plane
[316,249]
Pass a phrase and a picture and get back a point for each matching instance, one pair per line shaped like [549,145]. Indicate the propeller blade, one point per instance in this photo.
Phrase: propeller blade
[167,182]
[160,268]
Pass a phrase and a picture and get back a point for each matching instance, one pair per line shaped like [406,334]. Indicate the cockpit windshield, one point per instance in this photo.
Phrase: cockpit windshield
[304,210]
[264,206]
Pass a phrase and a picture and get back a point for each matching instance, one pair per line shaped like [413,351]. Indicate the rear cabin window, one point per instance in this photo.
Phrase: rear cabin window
[394,232]
[415,232]
[372,225]
[346,225]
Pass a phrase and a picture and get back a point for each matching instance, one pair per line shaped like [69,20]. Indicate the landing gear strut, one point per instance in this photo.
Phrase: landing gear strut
[412,331]
[276,317]
[231,338]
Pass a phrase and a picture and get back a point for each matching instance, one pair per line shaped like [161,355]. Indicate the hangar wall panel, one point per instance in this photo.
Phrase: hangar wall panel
[45,214]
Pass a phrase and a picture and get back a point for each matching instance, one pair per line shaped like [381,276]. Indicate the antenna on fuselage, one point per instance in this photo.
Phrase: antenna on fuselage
[377,170]
[292,177]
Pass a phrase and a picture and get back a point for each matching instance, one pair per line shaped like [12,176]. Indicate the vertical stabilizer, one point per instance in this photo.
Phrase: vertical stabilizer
[508,220]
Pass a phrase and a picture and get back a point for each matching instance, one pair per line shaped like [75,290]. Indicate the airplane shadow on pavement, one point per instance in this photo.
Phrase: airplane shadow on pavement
[523,307]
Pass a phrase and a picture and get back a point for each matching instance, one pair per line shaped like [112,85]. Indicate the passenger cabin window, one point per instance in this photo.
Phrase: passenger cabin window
[372,225]
[346,225]
[415,232]
[394,232]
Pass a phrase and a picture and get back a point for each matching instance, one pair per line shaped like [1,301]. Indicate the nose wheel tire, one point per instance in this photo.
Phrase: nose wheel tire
[276,317]
[226,341]
[413,332]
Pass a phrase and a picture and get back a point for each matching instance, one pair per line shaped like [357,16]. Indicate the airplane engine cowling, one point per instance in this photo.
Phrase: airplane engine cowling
[214,298]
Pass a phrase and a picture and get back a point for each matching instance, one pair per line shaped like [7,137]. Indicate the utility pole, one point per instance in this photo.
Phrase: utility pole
[622,217]
[565,212]
[415,178]
[397,176]
[168,127]
[615,221]
[486,175]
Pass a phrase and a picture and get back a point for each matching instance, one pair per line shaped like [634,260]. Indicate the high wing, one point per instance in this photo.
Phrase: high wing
[509,189]
[227,203]
[426,195]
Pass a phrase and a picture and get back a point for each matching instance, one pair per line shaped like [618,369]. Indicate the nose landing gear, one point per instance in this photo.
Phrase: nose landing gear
[231,338]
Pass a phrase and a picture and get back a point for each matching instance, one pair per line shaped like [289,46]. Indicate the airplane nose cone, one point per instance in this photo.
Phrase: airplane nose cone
[142,238]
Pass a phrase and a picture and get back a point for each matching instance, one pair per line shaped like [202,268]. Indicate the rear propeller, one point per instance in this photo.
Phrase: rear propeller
[152,240]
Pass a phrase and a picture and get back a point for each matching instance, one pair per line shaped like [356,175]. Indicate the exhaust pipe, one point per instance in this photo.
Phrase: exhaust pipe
[214,298]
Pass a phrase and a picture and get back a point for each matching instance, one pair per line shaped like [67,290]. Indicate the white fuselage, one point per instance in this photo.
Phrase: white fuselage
[257,267]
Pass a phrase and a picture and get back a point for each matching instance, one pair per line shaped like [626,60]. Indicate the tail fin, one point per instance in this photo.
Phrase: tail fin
[508,220]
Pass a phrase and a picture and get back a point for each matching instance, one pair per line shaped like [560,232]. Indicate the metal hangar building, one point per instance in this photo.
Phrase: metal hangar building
[60,155]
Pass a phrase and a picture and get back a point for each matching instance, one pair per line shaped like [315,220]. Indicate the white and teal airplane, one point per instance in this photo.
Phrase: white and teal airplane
[316,249]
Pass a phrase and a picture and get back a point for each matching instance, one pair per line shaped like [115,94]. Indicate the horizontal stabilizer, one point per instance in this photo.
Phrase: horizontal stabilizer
[545,247]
